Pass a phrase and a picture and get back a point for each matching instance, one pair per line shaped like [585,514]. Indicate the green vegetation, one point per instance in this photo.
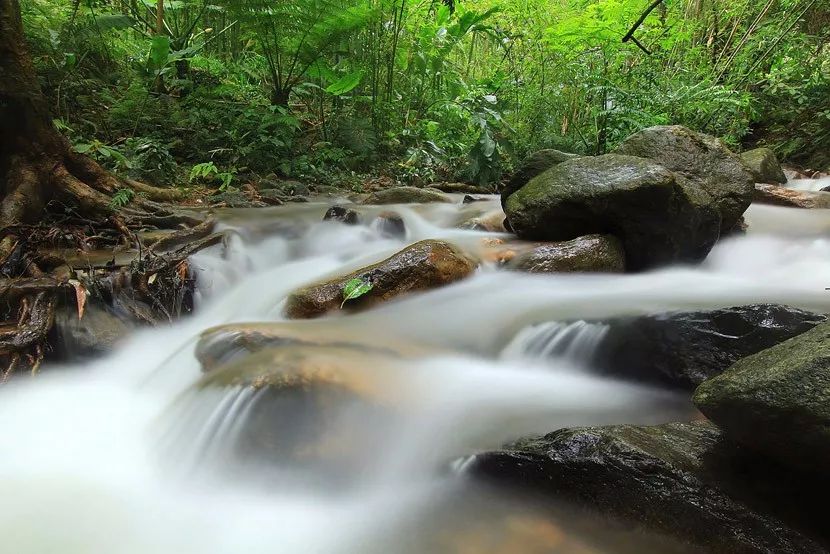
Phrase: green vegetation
[224,92]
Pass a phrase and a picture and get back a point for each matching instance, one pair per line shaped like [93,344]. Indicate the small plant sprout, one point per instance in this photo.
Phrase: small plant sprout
[355,288]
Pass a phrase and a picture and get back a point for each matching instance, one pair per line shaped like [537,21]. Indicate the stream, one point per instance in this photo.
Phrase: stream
[125,455]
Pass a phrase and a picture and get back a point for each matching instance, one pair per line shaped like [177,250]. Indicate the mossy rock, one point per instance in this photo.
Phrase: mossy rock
[777,401]
[764,166]
[406,195]
[592,253]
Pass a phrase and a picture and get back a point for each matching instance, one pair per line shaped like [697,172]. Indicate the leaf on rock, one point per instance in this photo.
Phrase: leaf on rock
[355,288]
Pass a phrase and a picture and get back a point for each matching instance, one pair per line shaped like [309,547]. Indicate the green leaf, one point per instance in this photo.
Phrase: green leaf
[159,51]
[355,288]
[345,84]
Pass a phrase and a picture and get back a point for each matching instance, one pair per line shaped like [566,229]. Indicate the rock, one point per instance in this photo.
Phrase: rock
[469,199]
[306,407]
[632,198]
[405,195]
[683,349]
[825,189]
[424,265]
[533,165]
[342,214]
[285,188]
[96,334]
[703,164]
[234,199]
[777,401]
[601,253]
[390,224]
[491,222]
[782,196]
[679,478]
[457,188]
[764,166]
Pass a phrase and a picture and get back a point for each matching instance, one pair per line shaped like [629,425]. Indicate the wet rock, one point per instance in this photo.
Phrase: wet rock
[492,222]
[234,199]
[632,198]
[600,253]
[424,265]
[704,166]
[683,349]
[680,478]
[342,214]
[469,199]
[405,195]
[825,189]
[319,410]
[390,224]
[764,166]
[783,196]
[533,165]
[96,334]
[777,401]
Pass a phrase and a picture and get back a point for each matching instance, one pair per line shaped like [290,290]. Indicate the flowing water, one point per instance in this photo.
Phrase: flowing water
[127,456]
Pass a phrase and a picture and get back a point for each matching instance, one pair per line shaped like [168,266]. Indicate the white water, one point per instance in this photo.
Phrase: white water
[122,456]
[808,184]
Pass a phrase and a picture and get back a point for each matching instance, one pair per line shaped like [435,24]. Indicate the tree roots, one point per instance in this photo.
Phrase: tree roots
[76,195]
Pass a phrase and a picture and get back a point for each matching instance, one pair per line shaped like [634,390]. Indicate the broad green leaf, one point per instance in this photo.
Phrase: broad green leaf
[159,51]
[345,84]
[355,288]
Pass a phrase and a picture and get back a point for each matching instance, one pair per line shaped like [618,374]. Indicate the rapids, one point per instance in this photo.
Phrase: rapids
[124,456]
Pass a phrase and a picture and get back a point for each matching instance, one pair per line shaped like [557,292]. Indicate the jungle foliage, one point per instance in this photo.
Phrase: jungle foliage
[168,91]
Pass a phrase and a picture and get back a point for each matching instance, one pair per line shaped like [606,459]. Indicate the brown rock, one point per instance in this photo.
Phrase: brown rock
[782,196]
[600,253]
[421,266]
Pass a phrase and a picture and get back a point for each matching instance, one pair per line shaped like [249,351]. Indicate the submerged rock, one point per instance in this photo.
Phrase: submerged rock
[424,265]
[704,166]
[390,224]
[533,165]
[683,349]
[764,166]
[777,401]
[96,334]
[632,198]
[342,214]
[601,253]
[406,195]
[491,222]
[783,196]
[679,478]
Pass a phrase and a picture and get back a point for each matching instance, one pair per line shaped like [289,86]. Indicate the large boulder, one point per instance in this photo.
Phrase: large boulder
[678,478]
[406,195]
[703,164]
[764,166]
[632,198]
[683,349]
[96,334]
[782,196]
[533,165]
[601,253]
[424,265]
[777,401]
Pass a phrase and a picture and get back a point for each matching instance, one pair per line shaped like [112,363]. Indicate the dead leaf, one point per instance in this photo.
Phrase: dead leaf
[80,296]
[182,270]
[152,279]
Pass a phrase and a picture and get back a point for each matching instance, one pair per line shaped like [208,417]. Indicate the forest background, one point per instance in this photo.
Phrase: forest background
[225,92]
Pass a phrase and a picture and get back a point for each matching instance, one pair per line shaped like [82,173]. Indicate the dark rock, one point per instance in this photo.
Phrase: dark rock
[285,188]
[777,401]
[96,334]
[424,265]
[783,196]
[602,253]
[342,214]
[764,166]
[632,198]
[825,189]
[678,478]
[390,224]
[705,167]
[462,188]
[468,199]
[405,195]
[533,165]
[683,349]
